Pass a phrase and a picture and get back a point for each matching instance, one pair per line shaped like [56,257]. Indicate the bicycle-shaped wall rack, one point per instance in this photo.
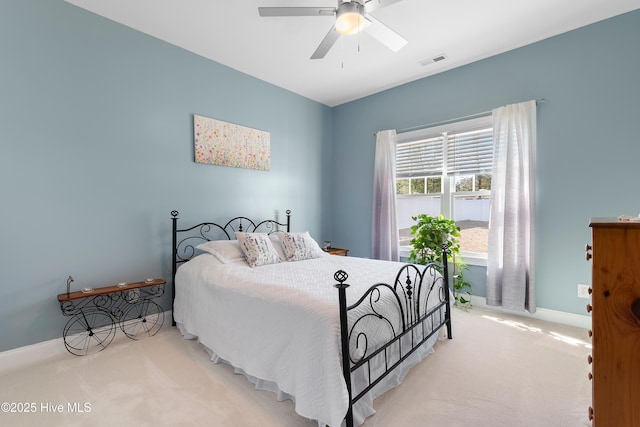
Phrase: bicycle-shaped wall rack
[95,314]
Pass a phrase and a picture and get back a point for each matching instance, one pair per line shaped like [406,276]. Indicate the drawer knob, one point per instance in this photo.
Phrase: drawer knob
[589,308]
[590,413]
[587,249]
[589,359]
[590,333]
[590,376]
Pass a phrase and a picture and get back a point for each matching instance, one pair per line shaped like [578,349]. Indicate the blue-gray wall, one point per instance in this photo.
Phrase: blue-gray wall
[588,148]
[97,148]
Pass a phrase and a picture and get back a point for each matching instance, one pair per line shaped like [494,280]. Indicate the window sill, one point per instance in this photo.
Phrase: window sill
[474,258]
[469,258]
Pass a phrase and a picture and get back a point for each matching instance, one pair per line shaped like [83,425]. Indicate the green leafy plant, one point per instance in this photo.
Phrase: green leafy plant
[429,235]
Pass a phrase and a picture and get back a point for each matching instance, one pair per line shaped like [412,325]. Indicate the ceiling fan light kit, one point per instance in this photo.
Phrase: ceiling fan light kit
[351,17]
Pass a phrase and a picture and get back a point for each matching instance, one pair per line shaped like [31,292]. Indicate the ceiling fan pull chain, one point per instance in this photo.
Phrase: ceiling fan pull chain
[360,27]
[342,53]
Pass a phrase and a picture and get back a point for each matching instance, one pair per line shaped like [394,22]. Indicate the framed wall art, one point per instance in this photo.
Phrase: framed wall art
[227,144]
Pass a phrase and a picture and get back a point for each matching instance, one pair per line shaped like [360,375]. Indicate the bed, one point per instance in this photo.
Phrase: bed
[330,333]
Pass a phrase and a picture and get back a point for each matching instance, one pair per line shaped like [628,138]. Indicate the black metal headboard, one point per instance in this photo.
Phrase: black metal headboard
[185,240]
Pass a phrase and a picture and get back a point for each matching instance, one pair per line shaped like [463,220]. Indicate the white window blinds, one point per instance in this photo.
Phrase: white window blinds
[420,158]
[470,152]
[465,147]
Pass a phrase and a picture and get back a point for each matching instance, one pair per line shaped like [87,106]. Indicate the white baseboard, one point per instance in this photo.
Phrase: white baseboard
[29,355]
[556,316]
[23,357]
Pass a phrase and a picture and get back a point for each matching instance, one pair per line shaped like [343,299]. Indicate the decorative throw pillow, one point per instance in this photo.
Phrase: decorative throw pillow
[257,248]
[299,246]
[227,251]
[275,241]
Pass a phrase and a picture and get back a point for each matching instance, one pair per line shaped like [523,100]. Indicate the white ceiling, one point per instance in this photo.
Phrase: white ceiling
[277,50]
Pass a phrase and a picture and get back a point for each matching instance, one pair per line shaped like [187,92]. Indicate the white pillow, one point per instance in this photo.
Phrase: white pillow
[275,241]
[227,251]
[257,248]
[299,246]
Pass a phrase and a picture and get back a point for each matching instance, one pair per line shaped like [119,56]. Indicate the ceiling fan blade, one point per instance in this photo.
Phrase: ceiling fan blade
[384,34]
[332,36]
[371,5]
[296,11]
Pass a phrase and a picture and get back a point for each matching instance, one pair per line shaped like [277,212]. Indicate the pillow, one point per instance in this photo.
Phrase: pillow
[275,241]
[227,251]
[257,248]
[299,246]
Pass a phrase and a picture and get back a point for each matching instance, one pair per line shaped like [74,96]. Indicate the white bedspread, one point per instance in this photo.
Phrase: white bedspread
[280,323]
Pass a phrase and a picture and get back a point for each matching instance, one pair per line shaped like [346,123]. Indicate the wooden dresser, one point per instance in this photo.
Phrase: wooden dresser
[615,307]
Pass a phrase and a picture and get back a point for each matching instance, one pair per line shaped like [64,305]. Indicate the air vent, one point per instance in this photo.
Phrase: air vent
[433,60]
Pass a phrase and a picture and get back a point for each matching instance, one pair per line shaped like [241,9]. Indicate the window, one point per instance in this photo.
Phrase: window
[422,185]
[447,170]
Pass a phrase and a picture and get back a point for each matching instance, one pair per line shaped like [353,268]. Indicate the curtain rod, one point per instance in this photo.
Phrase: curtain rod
[457,119]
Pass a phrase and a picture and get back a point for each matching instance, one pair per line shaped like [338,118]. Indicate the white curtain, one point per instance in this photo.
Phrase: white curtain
[510,259]
[384,234]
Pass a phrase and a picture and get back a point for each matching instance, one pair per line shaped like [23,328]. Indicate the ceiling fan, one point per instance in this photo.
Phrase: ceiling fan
[351,17]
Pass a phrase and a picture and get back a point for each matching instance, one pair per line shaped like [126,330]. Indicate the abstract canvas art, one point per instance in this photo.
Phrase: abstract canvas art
[227,144]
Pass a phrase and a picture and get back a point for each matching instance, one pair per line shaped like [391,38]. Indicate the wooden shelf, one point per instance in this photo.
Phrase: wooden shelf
[108,290]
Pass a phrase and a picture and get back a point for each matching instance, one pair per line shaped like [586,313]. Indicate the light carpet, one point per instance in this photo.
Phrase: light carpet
[500,370]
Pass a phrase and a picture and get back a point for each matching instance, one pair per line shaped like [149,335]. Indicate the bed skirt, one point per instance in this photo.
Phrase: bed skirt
[364,407]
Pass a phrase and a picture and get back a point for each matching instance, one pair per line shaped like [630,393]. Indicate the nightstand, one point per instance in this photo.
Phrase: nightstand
[337,251]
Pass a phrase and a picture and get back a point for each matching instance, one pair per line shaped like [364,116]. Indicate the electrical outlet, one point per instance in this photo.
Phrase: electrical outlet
[583,291]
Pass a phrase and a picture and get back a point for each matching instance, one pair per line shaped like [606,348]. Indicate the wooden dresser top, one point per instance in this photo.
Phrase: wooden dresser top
[613,223]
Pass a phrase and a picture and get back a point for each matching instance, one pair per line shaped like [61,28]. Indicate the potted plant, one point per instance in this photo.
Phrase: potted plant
[429,234]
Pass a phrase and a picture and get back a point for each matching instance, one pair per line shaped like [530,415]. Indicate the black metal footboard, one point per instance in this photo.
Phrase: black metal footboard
[405,314]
